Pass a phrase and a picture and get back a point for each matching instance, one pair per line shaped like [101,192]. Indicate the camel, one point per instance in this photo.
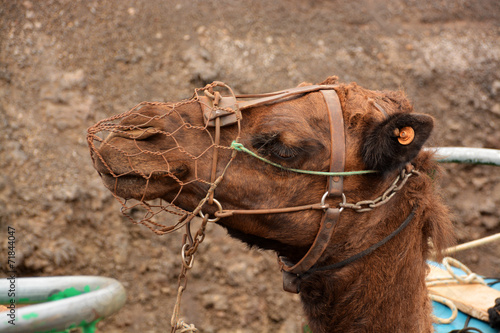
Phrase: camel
[352,241]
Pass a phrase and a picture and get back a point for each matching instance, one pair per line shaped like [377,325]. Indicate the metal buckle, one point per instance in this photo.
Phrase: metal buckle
[325,205]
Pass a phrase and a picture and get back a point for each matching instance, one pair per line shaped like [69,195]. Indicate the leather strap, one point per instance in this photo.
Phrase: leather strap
[226,213]
[215,157]
[337,142]
[274,97]
[370,249]
[319,245]
[228,108]
[291,274]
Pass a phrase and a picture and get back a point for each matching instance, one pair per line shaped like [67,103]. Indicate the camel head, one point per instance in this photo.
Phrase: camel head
[166,151]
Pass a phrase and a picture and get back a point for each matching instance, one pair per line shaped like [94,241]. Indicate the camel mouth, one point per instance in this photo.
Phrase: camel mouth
[135,186]
[133,180]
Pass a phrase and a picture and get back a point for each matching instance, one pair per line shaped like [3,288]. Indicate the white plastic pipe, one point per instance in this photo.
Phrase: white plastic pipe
[96,297]
[467,155]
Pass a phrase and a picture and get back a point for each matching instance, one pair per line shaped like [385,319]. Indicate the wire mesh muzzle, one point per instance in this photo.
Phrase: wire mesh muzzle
[158,146]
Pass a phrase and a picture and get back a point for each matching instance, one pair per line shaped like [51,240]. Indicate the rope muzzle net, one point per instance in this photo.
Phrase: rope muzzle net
[157,145]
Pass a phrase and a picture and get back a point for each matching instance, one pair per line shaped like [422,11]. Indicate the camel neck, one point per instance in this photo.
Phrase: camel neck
[383,292]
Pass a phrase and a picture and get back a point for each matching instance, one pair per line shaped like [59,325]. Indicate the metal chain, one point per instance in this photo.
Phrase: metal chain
[397,184]
[189,247]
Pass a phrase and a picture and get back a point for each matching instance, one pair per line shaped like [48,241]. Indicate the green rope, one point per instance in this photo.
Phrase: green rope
[239,147]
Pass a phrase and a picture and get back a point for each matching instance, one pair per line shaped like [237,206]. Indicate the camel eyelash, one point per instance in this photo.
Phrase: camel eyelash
[271,145]
[283,152]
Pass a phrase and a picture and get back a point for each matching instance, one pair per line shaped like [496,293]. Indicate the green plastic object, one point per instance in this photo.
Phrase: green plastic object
[59,304]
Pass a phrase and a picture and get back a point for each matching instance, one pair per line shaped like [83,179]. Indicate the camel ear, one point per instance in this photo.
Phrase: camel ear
[396,141]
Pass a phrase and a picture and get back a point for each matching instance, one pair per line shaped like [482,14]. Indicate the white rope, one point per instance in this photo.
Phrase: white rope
[468,278]
[449,304]
[178,325]
[183,327]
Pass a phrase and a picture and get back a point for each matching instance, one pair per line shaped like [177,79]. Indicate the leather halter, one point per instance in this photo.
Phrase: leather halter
[222,111]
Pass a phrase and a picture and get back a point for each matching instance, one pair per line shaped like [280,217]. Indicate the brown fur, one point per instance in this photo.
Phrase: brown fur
[383,292]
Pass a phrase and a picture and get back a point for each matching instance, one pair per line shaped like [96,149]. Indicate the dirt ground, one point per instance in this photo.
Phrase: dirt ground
[66,64]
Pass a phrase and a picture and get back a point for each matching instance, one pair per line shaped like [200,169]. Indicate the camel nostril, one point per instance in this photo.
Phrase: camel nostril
[141,133]
[134,133]
[180,171]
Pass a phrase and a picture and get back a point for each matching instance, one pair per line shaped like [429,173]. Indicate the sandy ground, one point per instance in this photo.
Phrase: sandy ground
[66,64]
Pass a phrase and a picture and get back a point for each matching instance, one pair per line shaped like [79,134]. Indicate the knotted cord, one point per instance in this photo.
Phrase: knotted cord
[468,278]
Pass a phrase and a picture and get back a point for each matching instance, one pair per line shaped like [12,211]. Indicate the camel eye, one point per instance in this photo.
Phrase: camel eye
[283,152]
[271,145]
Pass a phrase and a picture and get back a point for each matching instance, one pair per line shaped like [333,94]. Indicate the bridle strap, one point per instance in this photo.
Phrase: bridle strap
[213,173]
[367,251]
[291,282]
[227,213]
[337,142]
[291,274]
[268,98]
[319,246]
[228,108]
